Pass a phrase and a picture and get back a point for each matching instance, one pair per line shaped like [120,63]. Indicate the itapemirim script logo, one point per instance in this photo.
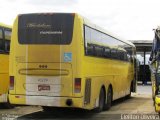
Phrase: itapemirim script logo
[38,25]
[51,32]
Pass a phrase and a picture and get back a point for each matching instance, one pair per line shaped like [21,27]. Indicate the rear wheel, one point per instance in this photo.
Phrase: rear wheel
[108,103]
[101,101]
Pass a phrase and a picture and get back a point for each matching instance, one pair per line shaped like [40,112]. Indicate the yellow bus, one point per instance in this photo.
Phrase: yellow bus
[63,60]
[5,37]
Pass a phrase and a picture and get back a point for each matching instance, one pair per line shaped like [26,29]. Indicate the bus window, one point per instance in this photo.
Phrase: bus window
[7,34]
[98,51]
[57,29]
[107,52]
[1,33]
[113,53]
[90,49]
[120,54]
[7,46]
[1,41]
[87,35]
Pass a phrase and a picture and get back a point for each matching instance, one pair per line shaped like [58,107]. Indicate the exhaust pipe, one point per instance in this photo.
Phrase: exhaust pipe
[69,102]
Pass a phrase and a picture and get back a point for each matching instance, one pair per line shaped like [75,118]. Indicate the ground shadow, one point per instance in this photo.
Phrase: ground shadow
[66,113]
[59,113]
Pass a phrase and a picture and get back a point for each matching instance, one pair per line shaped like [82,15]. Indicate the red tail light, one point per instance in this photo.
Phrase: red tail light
[77,85]
[11,83]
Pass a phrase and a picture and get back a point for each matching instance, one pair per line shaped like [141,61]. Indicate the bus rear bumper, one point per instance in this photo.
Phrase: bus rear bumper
[3,98]
[76,102]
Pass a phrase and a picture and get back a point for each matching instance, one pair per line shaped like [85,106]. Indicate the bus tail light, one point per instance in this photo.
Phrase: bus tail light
[11,83]
[77,85]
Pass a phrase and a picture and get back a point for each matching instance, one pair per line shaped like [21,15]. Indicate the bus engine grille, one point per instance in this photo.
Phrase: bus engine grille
[87,91]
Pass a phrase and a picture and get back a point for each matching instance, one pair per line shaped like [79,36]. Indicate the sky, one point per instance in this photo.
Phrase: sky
[129,19]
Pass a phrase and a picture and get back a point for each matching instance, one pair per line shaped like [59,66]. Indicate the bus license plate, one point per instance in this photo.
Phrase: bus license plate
[43,87]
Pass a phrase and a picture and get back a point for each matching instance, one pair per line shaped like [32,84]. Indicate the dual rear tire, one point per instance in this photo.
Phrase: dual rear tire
[105,101]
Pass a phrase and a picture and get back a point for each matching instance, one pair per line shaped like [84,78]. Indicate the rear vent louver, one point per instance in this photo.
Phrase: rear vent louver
[87,91]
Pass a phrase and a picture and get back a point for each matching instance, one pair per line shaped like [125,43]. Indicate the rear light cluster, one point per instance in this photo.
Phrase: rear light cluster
[77,85]
[11,83]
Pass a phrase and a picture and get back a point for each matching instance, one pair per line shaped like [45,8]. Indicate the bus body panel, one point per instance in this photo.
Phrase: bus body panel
[113,72]
[5,34]
[47,66]
[4,73]
[4,77]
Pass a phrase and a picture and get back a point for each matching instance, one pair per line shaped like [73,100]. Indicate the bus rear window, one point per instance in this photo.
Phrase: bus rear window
[45,28]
